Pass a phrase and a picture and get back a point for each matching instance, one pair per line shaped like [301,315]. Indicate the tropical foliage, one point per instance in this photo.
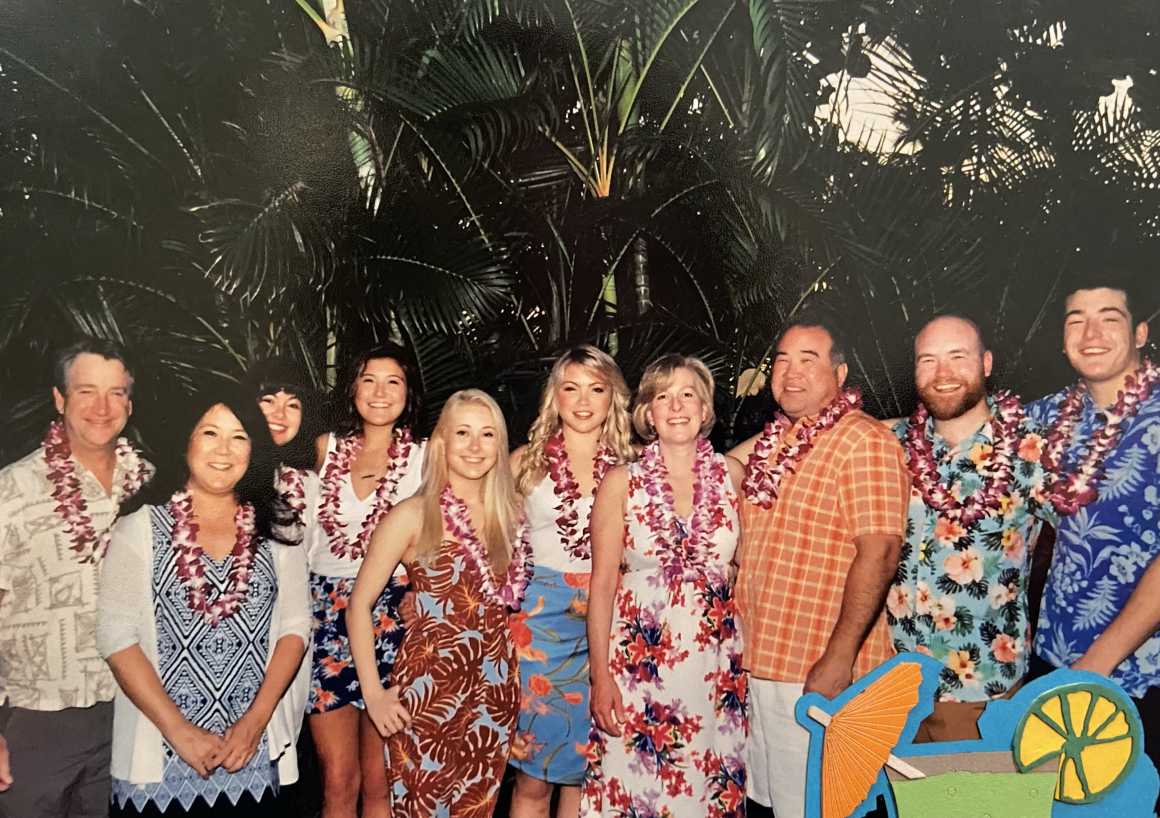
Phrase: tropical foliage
[487,181]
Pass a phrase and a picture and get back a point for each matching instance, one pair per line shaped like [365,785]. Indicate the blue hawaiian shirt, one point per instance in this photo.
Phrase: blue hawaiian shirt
[1102,550]
[960,594]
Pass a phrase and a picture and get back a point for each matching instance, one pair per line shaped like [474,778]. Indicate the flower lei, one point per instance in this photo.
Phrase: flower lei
[576,542]
[762,477]
[1072,489]
[338,466]
[689,553]
[291,484]
[192,573]
[1000,469]
[70,502]
[519,572]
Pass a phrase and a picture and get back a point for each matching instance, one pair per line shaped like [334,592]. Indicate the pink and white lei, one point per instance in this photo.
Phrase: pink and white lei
[291,484]
[70,501]
[192,573]
[997,475]
[336,468]
[519,572]
[763,477]
[577,543]
[1071,491]
[686,557]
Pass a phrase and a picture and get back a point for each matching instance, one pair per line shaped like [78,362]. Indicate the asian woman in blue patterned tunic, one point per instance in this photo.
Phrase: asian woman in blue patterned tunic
[203,616]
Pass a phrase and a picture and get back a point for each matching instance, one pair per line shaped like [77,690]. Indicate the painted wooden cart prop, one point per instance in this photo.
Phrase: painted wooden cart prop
[1069,744]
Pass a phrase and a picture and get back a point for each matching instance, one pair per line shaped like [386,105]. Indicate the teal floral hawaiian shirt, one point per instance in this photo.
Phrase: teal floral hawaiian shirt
[960,593]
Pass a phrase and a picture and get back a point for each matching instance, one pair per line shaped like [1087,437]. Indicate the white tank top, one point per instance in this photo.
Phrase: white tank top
[543,508]
[353,512]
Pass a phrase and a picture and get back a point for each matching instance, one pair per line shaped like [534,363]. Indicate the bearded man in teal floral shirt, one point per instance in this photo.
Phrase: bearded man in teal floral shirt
[977,500]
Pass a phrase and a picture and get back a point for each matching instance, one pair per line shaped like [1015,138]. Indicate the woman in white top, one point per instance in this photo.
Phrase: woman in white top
[367,465]
[203,617]
[583,429]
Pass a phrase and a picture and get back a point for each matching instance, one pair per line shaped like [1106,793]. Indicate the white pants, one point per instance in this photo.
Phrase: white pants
[778,747]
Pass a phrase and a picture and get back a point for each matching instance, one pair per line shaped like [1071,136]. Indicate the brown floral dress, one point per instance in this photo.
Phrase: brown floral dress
[459,678]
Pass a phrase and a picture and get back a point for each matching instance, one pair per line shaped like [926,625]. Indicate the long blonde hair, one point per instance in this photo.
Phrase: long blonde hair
[616,432]
[502,505]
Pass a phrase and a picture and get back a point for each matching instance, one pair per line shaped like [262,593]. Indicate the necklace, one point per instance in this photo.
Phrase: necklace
[688,549]
[576,542]
[192,573]
[763,478]
[997,475]
[336,468]
[1072,489]
[519,572]
[70,501]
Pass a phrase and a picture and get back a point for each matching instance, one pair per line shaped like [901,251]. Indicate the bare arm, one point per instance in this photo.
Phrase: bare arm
[389,544]
[1132,627]
[607,527]
[139,681]
[742,450]
[865,590]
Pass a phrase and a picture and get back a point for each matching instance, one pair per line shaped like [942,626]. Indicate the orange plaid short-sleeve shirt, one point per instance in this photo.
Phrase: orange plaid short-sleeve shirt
[797,553]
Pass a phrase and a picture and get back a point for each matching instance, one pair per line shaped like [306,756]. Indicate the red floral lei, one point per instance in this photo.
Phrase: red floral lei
[70,502]
[191,572]
[519,572]
[1071,491]
[1007,417]
[709,475]
[577,543]
[763,478]
[337,466]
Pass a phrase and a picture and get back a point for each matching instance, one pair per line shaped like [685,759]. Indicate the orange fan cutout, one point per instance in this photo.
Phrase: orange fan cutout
[860,737]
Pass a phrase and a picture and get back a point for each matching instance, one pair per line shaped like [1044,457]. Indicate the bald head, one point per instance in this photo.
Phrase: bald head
[951,365]
[954,328]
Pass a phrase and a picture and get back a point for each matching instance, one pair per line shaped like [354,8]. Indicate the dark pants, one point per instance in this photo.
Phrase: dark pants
[246,807]
[60,762]
[1148,706]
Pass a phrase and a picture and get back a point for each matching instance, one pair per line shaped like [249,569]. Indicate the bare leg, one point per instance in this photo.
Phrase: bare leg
[569,803]
[375,786]
[336,738]
[532,798]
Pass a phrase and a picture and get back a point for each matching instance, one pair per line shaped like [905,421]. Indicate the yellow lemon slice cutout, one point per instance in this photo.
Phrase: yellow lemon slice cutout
[1094,731]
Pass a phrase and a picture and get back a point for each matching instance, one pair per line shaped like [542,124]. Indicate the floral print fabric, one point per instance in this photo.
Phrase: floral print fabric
[551,639]
[675,653]
[960,594]
[458,676]
[333,681]
[1102,551]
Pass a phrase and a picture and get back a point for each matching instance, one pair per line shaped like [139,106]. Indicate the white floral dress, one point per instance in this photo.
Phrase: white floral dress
[675,653]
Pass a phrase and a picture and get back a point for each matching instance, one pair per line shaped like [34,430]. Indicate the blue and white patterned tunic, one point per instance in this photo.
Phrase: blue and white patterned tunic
[212,674]
[1102,551]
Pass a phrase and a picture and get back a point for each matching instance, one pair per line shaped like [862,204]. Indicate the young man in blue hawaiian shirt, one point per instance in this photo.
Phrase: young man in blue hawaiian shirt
[977,498]
[1101,606]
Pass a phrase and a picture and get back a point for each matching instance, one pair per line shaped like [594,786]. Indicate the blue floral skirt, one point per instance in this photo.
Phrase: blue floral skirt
[333,681]
[551,638]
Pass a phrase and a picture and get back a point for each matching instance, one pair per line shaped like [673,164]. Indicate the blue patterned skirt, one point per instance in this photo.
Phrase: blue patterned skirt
[551,639]
[333,681]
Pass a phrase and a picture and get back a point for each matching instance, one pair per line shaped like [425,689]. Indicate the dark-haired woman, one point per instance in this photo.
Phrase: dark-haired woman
[203,617]
[368,464]
[291,408]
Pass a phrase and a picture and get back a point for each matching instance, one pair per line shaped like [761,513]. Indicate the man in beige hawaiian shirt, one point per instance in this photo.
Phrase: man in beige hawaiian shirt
[56,507]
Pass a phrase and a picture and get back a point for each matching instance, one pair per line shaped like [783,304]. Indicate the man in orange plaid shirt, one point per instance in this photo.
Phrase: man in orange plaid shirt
[823,520]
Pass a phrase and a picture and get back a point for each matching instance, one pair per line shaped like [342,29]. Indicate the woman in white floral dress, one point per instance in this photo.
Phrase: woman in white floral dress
[668,692]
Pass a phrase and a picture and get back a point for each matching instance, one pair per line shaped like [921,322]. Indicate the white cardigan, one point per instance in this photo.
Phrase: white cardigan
[125,618]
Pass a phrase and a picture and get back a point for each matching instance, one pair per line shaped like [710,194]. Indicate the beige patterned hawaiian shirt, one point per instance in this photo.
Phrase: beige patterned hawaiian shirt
[48,616]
